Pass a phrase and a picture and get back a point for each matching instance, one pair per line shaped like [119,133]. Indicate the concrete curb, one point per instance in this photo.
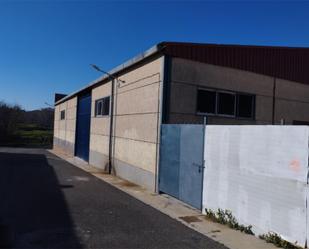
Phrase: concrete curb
[175,209]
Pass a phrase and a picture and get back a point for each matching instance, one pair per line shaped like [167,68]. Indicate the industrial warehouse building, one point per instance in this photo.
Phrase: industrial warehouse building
[114,122]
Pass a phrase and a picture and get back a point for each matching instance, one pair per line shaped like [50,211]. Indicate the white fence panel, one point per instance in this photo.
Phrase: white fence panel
[260,174]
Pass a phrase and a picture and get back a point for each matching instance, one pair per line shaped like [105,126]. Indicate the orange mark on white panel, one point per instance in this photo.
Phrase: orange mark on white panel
[295,165]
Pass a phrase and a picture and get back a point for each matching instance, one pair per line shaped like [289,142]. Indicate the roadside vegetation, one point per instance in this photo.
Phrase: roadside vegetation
[278,241]
[226,217]
[20,128]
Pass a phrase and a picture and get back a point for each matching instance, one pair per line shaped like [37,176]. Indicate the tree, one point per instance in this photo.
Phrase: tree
[10,117]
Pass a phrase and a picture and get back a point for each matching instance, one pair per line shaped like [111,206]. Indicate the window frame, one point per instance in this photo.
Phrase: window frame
[209,90]
[62,115]
[236,110]
[97,101]
[217,104]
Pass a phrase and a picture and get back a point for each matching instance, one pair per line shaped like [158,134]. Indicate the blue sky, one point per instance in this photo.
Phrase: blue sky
[47,46]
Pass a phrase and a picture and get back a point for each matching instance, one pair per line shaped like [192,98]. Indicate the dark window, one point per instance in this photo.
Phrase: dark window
[206,101]
[226,103]
[102,107]
[245,106]
[105,106]
[62,115]
[298,122]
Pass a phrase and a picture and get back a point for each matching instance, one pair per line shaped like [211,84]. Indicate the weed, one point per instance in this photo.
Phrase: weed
[278,241]
[226,217]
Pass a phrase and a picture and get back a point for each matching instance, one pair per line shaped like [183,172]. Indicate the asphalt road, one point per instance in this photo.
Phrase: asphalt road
[46,202]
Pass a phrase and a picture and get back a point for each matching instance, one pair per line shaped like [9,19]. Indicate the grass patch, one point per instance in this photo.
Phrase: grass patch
[31,127]
[278,241]
[30,135]
[225,217]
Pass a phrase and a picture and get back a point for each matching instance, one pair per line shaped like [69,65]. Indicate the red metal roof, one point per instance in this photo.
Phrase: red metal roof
[290,63]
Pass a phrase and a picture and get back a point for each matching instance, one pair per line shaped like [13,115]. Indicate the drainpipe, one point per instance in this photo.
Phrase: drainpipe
[111,123]
[274,102]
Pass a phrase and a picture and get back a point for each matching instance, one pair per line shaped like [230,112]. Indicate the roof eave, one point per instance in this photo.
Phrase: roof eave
[136,59]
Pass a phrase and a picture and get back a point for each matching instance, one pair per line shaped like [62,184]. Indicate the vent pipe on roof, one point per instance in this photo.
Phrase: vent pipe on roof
[59,96]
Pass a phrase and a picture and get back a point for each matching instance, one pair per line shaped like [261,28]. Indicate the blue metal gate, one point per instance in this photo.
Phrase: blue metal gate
[181,162]
[83,127]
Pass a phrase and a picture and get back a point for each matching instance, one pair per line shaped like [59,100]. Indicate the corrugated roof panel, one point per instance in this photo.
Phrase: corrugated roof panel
[281,62]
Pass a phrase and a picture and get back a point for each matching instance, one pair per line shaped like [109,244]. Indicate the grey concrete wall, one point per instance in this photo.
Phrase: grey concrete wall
[292,101]
[64,130]
[136,124]
[99,130]
[135,138]
[292,98]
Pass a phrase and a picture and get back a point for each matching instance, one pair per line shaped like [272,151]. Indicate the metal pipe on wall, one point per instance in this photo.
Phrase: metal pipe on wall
[111,123]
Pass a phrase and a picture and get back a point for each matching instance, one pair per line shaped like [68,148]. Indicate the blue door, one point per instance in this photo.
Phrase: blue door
[83,127]
[169,160]
[181,162]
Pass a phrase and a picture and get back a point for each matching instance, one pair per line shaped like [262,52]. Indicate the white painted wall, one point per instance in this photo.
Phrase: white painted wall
[260,174]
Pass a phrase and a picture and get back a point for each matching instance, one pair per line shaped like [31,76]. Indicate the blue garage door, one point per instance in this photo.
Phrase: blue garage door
[181,162]
[83,127]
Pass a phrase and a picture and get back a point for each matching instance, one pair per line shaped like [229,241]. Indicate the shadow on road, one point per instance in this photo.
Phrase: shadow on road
[46,202]
[33,210]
